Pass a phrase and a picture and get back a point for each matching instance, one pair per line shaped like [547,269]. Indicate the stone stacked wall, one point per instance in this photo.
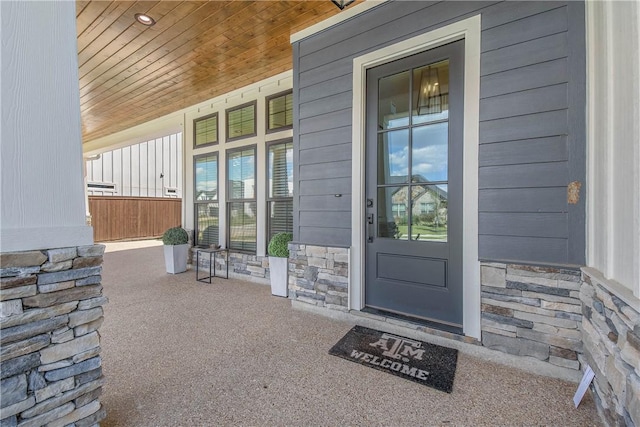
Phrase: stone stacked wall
[319,275]
[532,311]
[242,266]
[50,312]
[611,335]
[249,265]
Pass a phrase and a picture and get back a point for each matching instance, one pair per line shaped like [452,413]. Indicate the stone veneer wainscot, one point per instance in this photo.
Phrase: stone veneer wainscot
[319,275]
[532,311]
[50,312]
[611,336]
[241,265]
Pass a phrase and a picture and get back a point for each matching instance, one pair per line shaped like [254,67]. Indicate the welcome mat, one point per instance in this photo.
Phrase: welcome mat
[421,362]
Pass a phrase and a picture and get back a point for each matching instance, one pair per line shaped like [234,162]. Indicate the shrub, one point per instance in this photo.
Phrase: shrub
[278,246]
[175,236]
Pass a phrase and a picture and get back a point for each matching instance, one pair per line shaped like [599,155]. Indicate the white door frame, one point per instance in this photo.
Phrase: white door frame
[469,30]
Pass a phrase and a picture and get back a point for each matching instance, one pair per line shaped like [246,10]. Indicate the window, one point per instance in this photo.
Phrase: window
[205,131]
[427,207]
[241,205]
[206,200]
[399,210]
[280,188]
[241,121]
[107,187]
[280,112]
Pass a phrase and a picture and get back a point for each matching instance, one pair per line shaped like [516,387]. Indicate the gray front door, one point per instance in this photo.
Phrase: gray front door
[414,186]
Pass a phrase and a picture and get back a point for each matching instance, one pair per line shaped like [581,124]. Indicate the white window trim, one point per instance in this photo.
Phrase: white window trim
[257,91]
[469,30]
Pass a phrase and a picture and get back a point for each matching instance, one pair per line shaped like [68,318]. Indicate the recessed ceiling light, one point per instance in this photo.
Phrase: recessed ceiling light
[145,19]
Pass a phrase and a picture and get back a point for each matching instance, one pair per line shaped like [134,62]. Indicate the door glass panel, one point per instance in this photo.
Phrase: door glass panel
[393,101]
[431,93]
[393,157]
[430,152]
[393,212]
[429,213]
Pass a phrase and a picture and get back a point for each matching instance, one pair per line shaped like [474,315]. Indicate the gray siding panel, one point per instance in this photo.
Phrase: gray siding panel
[325,186]
[326,88]
[326,236]
[531,200]
[532,101]
[538,150]
[326,219]
[411,17]
[506,12]
[326,203]
[532,249]
[325,72]
[340,101]
[523,127]
[326,138]
[373,20]
[324,155]
[530,77]
[325,121]
[531,133]
[324,170]
[530,28]
[524,224]
[523,54]
[524,176]
[577,129]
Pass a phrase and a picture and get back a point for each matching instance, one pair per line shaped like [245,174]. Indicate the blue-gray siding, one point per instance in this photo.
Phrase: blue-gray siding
[532,133]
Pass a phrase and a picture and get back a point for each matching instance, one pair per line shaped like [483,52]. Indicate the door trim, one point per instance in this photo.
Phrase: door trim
[469,30]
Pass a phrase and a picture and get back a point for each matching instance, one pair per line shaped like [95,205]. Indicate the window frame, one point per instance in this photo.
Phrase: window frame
[199,119]
[266,109]
[229,200]
[253,103]
[195,200]
[268,198]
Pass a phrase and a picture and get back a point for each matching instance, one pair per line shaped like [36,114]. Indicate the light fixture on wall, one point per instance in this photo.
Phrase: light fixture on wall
[145,19]
[342,3]
[429,99]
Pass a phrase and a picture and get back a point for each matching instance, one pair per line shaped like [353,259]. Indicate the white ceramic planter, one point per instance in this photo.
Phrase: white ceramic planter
[175,258]
[278,274]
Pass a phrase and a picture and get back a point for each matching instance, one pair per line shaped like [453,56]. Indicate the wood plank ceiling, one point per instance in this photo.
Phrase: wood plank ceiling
[130,73]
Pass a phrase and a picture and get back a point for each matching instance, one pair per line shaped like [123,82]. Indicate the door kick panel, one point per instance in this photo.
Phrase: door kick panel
[414,270]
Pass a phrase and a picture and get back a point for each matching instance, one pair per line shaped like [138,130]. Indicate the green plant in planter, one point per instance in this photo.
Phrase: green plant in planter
[278,246]
[175,236]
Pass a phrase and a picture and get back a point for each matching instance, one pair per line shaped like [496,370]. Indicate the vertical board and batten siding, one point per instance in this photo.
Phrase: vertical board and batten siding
[136,169]
[532,133]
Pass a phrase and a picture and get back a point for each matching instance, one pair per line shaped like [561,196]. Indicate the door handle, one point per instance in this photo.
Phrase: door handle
[370,221]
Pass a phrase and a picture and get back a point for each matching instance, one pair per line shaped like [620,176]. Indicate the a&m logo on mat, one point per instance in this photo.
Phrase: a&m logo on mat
[399,348]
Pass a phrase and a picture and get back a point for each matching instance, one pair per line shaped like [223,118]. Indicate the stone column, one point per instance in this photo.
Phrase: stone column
[50,311]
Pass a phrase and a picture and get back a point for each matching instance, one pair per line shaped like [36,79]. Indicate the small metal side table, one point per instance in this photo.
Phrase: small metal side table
[212,261]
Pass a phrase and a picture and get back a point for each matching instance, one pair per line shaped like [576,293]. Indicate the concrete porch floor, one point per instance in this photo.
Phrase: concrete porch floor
[177,352]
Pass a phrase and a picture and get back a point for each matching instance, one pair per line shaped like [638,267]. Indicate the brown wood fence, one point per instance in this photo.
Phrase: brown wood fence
[123,218]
